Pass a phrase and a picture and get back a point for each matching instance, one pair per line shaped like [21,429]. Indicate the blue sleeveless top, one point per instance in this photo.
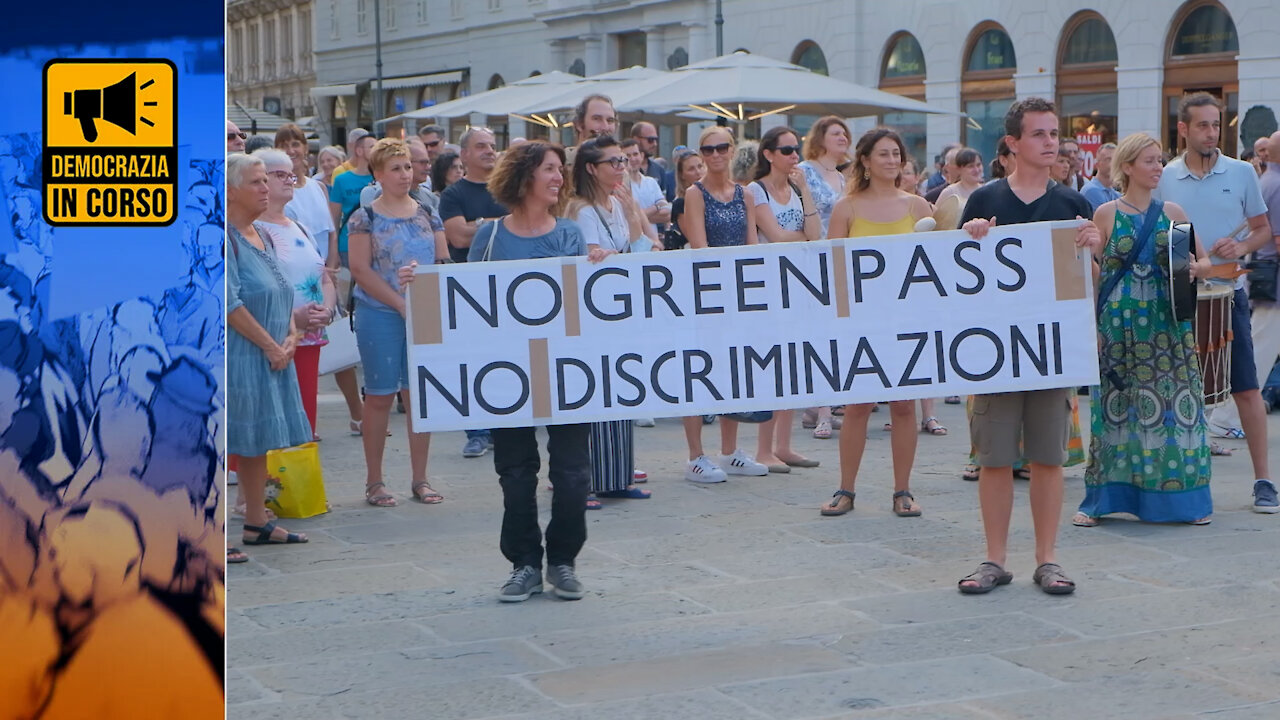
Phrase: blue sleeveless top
[726,223]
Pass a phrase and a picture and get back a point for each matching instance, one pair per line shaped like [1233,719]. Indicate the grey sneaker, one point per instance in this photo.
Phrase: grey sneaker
[475,447]
[1264,497]
[564,582]
[524,581]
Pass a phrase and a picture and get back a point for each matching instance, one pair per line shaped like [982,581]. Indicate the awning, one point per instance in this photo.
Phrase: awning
[333,90]
[442,78]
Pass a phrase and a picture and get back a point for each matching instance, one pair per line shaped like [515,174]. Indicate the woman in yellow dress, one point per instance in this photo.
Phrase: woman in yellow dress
[874,205]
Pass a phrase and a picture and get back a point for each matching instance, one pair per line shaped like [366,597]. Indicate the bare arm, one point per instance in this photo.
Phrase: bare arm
[841,216]
[695,218]
[767,222]
[458,232]
[442,246]
[332,260]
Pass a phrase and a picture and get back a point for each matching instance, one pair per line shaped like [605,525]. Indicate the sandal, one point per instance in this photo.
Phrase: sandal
[836,506]
[822,431]
[1051,579]
[809,419]
[953,400]
[357,428]
[264,536]
[1022,473]
[380,498]
[986,578]
[931,426]
[1218,450]
[906,508]
[1082,520]
[801,462]
[971,473]
[425,494]
[593,503]
[236,556]
[1202,521]
[631,493]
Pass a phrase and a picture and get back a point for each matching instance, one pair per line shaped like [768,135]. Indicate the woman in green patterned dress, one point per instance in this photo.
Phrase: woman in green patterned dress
[1149,451]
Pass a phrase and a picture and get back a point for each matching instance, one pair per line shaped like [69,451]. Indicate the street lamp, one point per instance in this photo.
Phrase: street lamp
[719,29]
[377,44]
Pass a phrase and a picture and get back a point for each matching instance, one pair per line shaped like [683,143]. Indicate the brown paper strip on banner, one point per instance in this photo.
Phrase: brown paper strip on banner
[540,377]
[840,273]
[427,323]
[1068,271]
[569,289]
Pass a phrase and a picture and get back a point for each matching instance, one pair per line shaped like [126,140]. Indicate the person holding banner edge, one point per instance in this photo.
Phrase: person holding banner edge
[874,205]
[784,211]
[1149,448]
[716,215]
[383,237]
[610,221]
[530,181]
[1040,419]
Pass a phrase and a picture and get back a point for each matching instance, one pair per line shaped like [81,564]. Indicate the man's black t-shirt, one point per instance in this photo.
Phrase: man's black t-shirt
[996,199]
[470,200]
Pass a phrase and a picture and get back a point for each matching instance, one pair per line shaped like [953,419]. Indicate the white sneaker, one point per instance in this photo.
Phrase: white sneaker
[702,470]
[740,463]
[643,422]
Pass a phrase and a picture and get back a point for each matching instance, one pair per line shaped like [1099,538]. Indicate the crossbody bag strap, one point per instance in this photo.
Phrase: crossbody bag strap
[493,234]
[1145,234]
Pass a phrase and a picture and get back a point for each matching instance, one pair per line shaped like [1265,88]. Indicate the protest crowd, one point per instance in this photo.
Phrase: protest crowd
[325,244]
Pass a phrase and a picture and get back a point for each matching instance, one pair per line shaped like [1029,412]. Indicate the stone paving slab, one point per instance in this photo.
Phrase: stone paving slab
[822,695]
[674,673]
[739,601]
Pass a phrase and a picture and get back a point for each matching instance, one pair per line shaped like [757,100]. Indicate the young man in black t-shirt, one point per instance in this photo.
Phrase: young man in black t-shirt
[1034,424]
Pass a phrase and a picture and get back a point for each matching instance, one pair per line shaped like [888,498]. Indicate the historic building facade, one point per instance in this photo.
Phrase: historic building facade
[270,58]
[1114,66]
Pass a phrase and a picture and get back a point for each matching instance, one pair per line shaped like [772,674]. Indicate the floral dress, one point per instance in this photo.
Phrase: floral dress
[1149,452]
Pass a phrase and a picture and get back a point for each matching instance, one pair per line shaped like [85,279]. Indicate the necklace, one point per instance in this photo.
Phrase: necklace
[1135,207]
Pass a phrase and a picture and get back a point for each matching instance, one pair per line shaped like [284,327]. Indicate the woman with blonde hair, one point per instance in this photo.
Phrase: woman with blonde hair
[689,170]
[716,215]
[875,205]
[392,232]
[328,160]
[1149,446]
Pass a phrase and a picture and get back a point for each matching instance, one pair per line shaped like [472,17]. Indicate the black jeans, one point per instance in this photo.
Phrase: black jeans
[515,458]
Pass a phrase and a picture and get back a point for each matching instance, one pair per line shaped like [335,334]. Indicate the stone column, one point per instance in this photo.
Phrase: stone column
[698,47]
[594,55]
[557,61]
[1141,100]
[653,47]
[943,129]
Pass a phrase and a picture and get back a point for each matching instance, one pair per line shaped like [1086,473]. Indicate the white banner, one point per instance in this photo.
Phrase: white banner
[762,327]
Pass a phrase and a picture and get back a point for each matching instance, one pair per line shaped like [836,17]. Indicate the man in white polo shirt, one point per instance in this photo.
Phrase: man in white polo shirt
[1221,195]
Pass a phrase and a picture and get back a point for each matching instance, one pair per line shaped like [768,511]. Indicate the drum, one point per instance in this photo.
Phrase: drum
[1213,341]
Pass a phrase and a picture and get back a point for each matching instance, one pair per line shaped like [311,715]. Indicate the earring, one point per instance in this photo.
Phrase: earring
[866,174]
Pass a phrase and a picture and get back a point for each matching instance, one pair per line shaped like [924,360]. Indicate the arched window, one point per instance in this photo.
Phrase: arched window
[1088,103]
[1200,55]
[807,54]
[902,72]
[987,87]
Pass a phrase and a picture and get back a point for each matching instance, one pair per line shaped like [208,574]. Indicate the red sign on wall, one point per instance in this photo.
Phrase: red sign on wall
[1089,144]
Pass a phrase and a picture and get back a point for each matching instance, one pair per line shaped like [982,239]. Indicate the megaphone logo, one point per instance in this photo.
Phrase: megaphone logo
[116,104]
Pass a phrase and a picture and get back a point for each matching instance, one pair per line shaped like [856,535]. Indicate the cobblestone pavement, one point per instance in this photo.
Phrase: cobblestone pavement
[737,601]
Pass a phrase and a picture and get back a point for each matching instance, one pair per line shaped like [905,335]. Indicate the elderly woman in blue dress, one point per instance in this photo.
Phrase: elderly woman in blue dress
[264,406]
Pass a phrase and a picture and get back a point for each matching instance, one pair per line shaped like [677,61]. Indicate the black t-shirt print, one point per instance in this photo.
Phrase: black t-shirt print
[470,200]
[998,200]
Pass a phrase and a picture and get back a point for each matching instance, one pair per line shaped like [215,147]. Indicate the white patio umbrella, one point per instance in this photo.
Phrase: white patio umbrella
[541,109]
[742,87]
[498,101]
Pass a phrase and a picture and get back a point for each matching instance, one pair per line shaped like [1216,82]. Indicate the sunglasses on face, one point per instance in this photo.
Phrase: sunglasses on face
[721,149]
[233,136]
[433,143]
[616,162]
[653,139]
[789,149]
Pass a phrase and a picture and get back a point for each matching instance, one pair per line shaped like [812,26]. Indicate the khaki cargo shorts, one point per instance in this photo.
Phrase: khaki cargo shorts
[1034,424]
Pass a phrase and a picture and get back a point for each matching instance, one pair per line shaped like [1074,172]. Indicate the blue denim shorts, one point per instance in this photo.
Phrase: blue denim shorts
[380,337]
[1244,372]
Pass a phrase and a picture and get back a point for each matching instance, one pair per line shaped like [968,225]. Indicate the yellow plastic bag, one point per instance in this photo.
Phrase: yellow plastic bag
[295,484]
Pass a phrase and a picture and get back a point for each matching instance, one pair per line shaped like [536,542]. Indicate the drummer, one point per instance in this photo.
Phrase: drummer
[1222,197]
